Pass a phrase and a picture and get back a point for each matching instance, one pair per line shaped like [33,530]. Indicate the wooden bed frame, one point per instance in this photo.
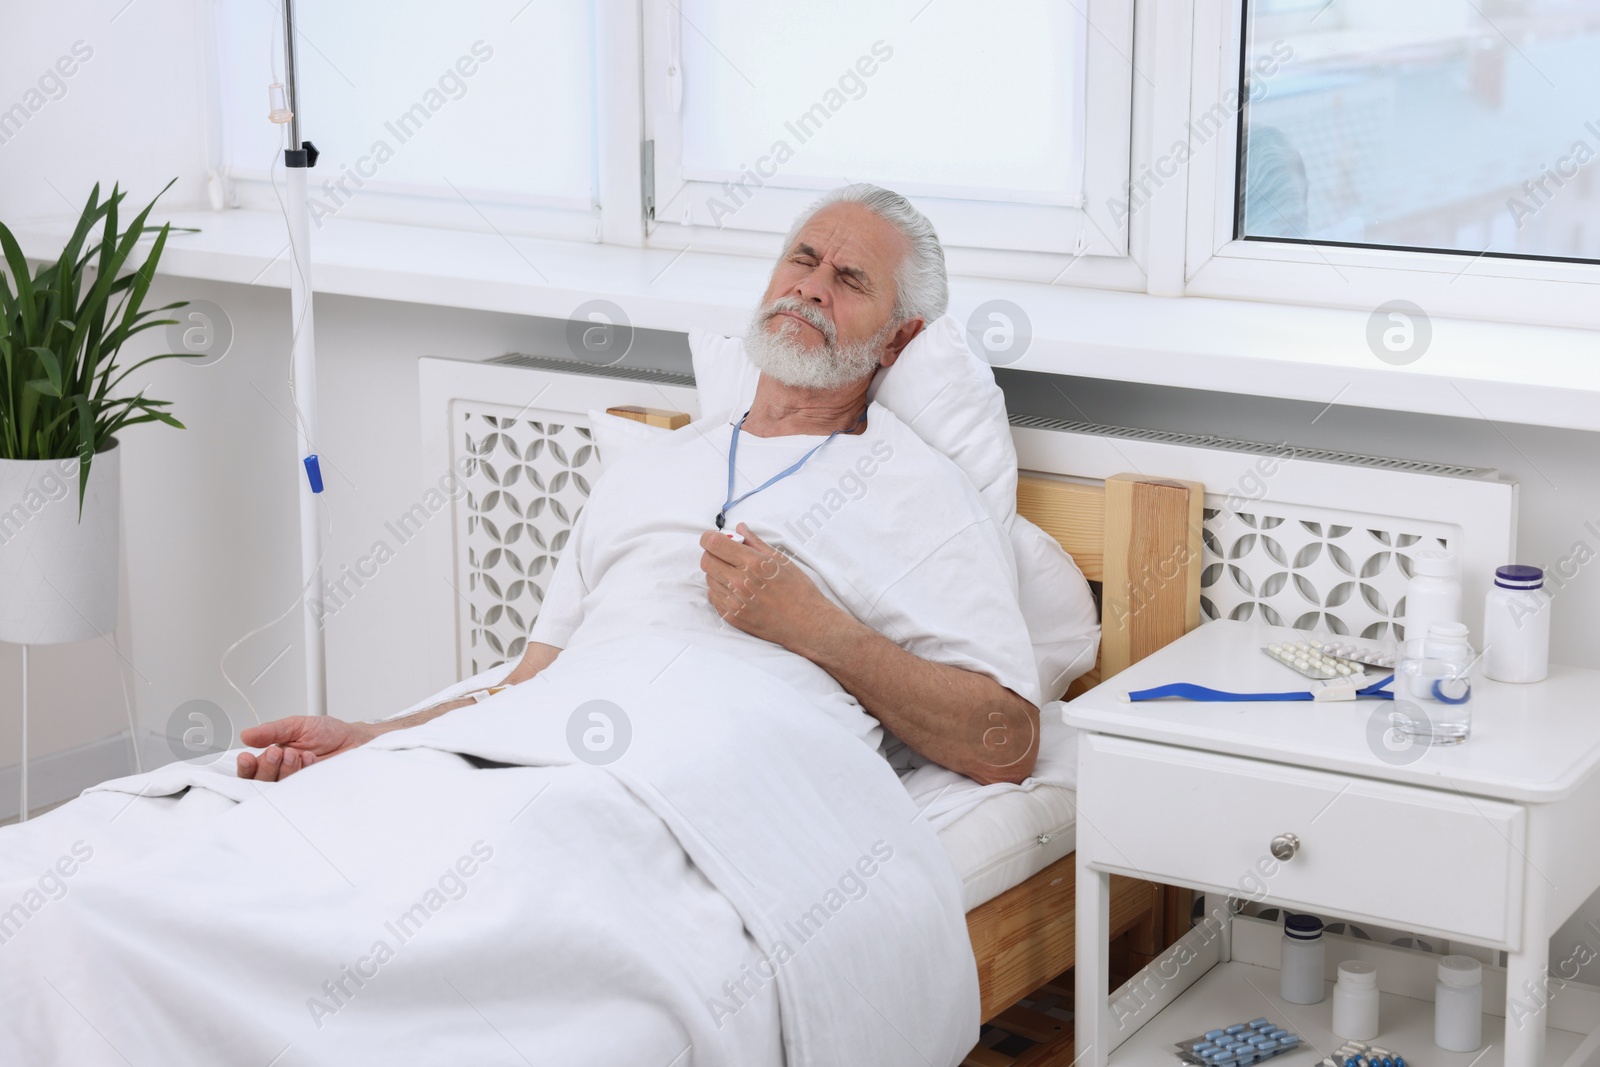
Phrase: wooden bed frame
[1139,538]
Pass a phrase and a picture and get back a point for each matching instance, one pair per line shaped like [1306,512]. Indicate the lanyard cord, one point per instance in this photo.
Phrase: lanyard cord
[733,452]
[1189,691]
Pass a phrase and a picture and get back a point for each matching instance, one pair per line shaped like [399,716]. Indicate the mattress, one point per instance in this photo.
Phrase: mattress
[1008,837]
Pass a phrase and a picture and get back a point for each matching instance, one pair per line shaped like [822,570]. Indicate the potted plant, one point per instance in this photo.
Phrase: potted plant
[61,332]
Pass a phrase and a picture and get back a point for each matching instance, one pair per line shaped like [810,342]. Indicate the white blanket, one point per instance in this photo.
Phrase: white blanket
[744,859]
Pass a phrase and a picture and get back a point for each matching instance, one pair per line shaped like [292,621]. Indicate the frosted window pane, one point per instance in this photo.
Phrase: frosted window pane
[1461,125]
[383,79]
[963,94]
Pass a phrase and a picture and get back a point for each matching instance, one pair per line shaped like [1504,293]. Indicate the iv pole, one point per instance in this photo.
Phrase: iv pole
[298,158]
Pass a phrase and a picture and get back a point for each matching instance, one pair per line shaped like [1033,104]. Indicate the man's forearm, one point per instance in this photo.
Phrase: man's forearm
[535,659]
[961,719]
[417,718]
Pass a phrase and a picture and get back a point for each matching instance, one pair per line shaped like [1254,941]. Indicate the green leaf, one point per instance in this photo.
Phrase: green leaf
[114,382]
[18,264]
[86,443]
[52,366]
[153,416]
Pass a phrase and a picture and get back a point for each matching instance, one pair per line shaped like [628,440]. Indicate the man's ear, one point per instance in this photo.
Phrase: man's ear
[897,343]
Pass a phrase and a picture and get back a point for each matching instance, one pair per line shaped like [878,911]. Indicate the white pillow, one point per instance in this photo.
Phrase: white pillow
[1058,606]
[949,398]
[615,436]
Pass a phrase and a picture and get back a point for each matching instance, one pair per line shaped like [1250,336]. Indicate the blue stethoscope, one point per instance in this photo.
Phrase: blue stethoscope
[733,453]
[1378,690]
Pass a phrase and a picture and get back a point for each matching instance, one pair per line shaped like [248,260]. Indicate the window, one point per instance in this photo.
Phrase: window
[1325,152]
[477,114]
[978,111]
[1462,126]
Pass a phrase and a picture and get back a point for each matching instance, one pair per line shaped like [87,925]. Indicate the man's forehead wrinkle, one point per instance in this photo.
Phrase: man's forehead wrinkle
[839,244]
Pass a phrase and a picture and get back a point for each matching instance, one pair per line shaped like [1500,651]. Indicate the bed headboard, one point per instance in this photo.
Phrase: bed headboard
[1306,538]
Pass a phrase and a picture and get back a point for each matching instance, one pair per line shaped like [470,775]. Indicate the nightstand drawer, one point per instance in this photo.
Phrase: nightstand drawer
[1399,856]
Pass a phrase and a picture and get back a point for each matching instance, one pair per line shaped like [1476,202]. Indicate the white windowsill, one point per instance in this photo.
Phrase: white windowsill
[1543,376]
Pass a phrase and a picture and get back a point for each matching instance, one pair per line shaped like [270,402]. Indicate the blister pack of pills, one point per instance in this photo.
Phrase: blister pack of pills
[1354,653]
[1310,659]
[1360,1054]
[1239,1044]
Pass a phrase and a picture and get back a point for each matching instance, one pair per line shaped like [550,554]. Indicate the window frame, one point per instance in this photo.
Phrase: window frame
[465,209]
[442,206]
[1080,231]
[1455,284]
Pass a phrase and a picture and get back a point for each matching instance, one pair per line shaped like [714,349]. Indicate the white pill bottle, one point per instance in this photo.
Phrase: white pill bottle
[1355,1001]
[1458,1004]
[1516,626]
[1301,957]
[1434,592]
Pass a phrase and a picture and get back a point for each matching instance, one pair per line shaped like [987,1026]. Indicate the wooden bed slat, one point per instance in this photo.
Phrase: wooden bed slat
[652,416]
[1075,515]
[1151,589]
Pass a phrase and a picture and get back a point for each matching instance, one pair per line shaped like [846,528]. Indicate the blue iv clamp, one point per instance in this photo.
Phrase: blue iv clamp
[313,472]
[1334,689]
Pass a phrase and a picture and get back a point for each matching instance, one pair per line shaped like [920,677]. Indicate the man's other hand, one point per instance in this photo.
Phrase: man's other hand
[297,742]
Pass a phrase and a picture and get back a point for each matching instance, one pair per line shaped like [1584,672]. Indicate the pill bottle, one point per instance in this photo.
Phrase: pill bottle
[1301,960]
[1516,626]
[1434,592]
[1355,1001]
[1458,1004]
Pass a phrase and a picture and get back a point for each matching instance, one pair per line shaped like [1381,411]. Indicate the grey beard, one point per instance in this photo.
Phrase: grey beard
[779,355]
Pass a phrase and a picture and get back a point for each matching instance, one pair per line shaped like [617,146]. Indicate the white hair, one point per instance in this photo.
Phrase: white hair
[921,288]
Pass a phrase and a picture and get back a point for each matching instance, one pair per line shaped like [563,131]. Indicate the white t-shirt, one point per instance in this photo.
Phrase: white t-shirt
[887,528]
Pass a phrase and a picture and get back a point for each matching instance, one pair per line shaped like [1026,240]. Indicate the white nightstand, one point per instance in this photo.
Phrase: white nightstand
[1495,842]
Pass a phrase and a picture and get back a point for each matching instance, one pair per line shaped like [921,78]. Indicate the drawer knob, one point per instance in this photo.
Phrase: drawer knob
[1284,846]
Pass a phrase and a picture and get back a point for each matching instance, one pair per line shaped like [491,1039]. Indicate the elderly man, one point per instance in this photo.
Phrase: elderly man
[898,610]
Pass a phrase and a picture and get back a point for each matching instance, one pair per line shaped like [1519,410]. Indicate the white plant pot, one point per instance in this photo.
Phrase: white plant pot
[58,576]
